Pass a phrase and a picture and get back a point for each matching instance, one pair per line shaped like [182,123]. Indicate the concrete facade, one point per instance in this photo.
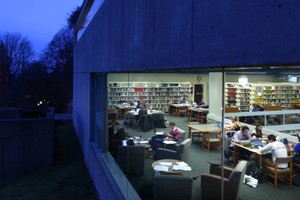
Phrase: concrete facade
[139,35]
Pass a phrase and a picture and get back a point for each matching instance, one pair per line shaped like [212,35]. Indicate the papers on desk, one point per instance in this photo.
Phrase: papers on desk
[161,168]
[171,166]
[182,166]
[166,164]
[169,142]
[159,133]
[143,142]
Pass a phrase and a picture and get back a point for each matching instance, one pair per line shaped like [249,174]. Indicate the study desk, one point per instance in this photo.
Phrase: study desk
[177,108]
[252,150]
[149,112]
[255,151]
[123,109]
[171,166]
[206,130]
[199,111]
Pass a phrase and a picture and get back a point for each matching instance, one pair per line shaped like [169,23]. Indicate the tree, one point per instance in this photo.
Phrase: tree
[19,51]
[73,17]
[4,76]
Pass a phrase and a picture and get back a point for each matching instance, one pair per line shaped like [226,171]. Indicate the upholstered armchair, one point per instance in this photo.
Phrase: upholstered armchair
[131,160]
[233,178]
[170,186]
[181,152]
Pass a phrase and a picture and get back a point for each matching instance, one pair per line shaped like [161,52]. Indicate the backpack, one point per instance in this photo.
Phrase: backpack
[255,172]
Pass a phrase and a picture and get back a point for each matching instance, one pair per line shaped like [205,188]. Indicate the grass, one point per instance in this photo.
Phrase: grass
[68,178]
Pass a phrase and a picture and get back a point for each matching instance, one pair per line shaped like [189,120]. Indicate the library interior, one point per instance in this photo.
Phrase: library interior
[207,109]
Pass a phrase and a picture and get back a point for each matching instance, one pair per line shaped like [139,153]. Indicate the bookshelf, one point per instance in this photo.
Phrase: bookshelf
[273,94]
[156,95]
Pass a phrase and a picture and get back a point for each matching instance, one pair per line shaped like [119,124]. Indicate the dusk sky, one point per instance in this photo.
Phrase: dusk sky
[37,19]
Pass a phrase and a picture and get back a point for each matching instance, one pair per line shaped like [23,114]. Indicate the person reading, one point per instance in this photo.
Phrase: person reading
[257,132]
[173,134]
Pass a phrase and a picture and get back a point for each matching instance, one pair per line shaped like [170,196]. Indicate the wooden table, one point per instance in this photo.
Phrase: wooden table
[177,108]
[206,130]
[199,112]
[255,150]
[123,109]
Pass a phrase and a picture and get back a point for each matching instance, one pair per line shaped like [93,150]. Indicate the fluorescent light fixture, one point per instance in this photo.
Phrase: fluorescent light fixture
[243,80]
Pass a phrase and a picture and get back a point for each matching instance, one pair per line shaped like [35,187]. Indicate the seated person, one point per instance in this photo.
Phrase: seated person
[277,149]
[235,125]
[240,137]
[140,104]
[142,111]
[257,132]
[201,104]
[258,107]
[296,147]
[116,135]
[174,134]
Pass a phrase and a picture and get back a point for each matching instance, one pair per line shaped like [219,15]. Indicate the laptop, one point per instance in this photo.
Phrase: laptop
[257,143]
[220,125]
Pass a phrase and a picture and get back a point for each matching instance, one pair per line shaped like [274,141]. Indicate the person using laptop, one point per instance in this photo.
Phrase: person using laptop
[257,132]
[240,137]
[277,149]
[173,134]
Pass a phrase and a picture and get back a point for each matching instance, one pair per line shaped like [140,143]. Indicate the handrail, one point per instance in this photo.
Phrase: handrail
[273,129]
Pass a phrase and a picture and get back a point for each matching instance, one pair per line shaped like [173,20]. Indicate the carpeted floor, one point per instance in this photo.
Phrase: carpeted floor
[198,160]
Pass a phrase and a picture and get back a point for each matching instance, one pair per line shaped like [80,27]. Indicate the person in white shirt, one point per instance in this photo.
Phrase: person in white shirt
[277,148]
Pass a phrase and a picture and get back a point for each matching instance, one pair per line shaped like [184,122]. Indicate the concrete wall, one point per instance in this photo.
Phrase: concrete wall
[154,34]
[10,113]
[140,35]
[26,145]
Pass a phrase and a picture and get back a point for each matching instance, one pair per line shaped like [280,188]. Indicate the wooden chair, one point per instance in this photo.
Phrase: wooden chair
[195,133]
[277,173]
[214,139]
[183,111]
[296,165]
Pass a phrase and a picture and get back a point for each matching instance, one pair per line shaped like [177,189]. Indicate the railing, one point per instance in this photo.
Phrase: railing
[278,123]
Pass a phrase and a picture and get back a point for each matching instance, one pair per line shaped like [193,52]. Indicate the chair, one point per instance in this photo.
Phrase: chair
[233,178]
[213,139]
[181,152]
[195,133]
[145,122]
[277,173]
[228,152]
[158,120]
[183,111]
[170,186]
[131,160]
